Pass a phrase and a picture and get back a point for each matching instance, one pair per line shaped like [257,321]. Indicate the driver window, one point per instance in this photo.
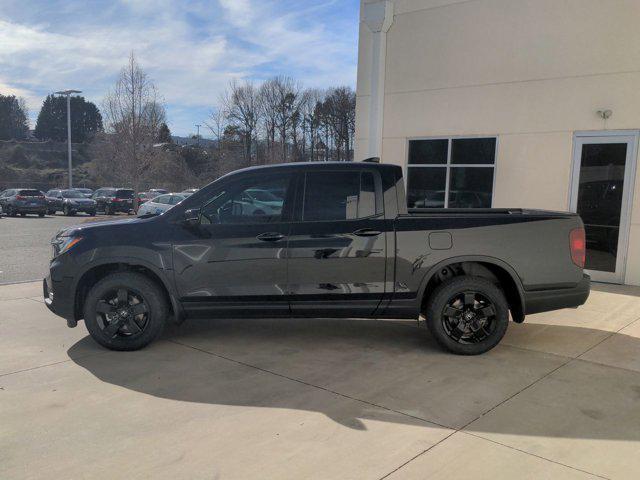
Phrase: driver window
[256,200]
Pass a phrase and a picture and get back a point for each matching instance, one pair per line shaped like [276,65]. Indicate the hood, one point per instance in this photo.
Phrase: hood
[95,226]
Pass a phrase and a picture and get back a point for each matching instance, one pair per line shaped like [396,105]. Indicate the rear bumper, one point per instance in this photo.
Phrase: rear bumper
[30,209]
[546,300]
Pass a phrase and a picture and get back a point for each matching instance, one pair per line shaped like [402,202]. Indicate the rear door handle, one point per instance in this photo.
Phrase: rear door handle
[367,232]
[270,236]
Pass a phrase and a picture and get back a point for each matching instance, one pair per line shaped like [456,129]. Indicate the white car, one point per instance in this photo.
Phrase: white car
[161,203]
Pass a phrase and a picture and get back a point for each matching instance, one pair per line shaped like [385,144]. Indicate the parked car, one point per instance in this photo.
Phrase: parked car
[190,190]
[142,198]
[69,202]
[87,192]
[158,191]
[112,200]
[341,243]
[160,204]
[21,201]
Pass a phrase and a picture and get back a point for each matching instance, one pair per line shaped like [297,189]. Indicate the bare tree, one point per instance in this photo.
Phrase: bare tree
[216,124]
[288,105]
[269,112]
[133,114]
[242,109]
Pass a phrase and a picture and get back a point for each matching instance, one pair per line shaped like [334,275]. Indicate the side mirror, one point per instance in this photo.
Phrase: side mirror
[191,217]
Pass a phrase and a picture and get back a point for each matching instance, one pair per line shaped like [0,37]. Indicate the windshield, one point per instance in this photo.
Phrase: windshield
[72,194]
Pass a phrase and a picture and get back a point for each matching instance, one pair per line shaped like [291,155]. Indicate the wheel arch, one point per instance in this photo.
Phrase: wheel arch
[491,268]
[93,273]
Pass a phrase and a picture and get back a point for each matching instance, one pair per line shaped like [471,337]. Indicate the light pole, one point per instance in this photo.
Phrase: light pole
[198,134]
[68,93]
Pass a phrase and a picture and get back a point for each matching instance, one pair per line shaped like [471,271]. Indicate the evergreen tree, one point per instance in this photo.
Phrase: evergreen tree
[52,119]
[13,118]
[164,134]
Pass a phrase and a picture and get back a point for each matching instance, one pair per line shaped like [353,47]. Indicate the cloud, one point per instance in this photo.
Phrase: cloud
[191,49]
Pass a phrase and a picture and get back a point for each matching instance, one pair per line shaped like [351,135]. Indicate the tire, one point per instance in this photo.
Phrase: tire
[11,212]
[107,210]
[483,313]
[66,211]
[41,215]
[106,293]
[23,214]
[51,212]
[92,213]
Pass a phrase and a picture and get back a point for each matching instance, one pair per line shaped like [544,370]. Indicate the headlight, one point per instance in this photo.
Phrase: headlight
[62,244]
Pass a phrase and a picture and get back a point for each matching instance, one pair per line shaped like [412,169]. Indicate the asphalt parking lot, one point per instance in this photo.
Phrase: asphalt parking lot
[25,250]
[343,399]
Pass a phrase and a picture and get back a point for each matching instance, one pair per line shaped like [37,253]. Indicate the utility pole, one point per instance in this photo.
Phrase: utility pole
[68,93]
[198,134]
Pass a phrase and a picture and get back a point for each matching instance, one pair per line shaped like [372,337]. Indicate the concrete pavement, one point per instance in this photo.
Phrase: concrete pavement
[559,398]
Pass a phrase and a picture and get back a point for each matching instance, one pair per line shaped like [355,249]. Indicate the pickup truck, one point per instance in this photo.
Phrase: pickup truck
[323,240]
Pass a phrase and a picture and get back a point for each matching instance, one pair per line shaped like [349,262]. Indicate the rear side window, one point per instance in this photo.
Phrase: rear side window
[339,196]
[162,199]
[30,193]
[124,194]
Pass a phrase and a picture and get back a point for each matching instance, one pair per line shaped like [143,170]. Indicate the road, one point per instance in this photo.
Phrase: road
[24,245]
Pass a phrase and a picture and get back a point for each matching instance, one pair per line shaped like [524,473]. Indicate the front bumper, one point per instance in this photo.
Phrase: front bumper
[59,295]
[554,299]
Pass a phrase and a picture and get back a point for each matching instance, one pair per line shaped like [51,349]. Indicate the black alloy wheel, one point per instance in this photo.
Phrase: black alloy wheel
[125,311]
[122,312]
[469,317]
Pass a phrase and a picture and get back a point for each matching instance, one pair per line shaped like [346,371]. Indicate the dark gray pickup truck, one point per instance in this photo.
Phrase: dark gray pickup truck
[317,240]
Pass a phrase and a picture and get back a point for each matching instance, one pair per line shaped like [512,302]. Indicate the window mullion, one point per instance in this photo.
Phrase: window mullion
[448,175]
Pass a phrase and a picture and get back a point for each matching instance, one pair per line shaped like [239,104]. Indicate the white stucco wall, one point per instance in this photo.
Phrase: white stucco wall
[532,72]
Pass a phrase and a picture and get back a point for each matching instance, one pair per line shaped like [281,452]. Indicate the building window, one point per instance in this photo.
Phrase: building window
[451,173]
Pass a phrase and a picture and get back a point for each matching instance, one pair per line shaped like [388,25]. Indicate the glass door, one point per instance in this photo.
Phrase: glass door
[601,192]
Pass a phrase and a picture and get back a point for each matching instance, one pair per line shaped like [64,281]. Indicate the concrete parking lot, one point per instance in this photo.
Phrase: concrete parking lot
[559,398]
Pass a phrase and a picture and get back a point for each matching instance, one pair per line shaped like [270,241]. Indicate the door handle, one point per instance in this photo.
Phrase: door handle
[367,232]
[270,236]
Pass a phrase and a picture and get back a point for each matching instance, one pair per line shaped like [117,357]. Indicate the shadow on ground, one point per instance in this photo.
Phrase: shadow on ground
[394,371]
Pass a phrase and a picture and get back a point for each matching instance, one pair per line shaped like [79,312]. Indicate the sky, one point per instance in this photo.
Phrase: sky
[190,49]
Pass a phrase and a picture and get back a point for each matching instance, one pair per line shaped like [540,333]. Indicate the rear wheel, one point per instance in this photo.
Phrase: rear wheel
[467,315]
[11,212]
[125,311]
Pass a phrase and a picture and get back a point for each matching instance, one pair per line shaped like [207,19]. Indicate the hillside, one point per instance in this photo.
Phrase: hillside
[40,165]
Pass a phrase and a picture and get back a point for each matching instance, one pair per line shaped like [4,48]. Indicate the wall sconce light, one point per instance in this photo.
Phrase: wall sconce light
[605,114]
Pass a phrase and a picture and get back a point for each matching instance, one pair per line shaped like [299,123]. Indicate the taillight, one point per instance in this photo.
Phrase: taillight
[20,197]
[578,245]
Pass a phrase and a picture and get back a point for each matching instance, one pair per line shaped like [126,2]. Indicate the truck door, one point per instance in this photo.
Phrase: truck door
[234,262]
[337,246]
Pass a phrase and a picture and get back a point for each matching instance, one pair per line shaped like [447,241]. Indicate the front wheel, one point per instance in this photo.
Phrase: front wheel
[125,311]
[467,315]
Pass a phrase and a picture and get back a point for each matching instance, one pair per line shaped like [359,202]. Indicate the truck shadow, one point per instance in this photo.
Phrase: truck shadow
[358,370]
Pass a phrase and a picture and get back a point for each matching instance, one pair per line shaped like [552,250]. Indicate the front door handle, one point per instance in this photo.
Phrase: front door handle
[367,232]
[270,236]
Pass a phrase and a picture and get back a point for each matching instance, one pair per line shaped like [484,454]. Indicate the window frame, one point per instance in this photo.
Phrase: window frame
[449,165]
[377,181]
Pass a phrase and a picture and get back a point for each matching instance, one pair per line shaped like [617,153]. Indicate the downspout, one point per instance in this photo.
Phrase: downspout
[378,17]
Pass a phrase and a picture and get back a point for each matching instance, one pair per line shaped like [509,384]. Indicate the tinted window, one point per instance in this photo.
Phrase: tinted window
[175,199]
[124,194]
[163,199]
[473,151]
[337,196]
[30,193]
[236,205]
[426,187]
[429,152]
[470,187]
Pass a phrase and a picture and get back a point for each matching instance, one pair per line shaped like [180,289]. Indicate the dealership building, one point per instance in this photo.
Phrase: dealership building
[511,103]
